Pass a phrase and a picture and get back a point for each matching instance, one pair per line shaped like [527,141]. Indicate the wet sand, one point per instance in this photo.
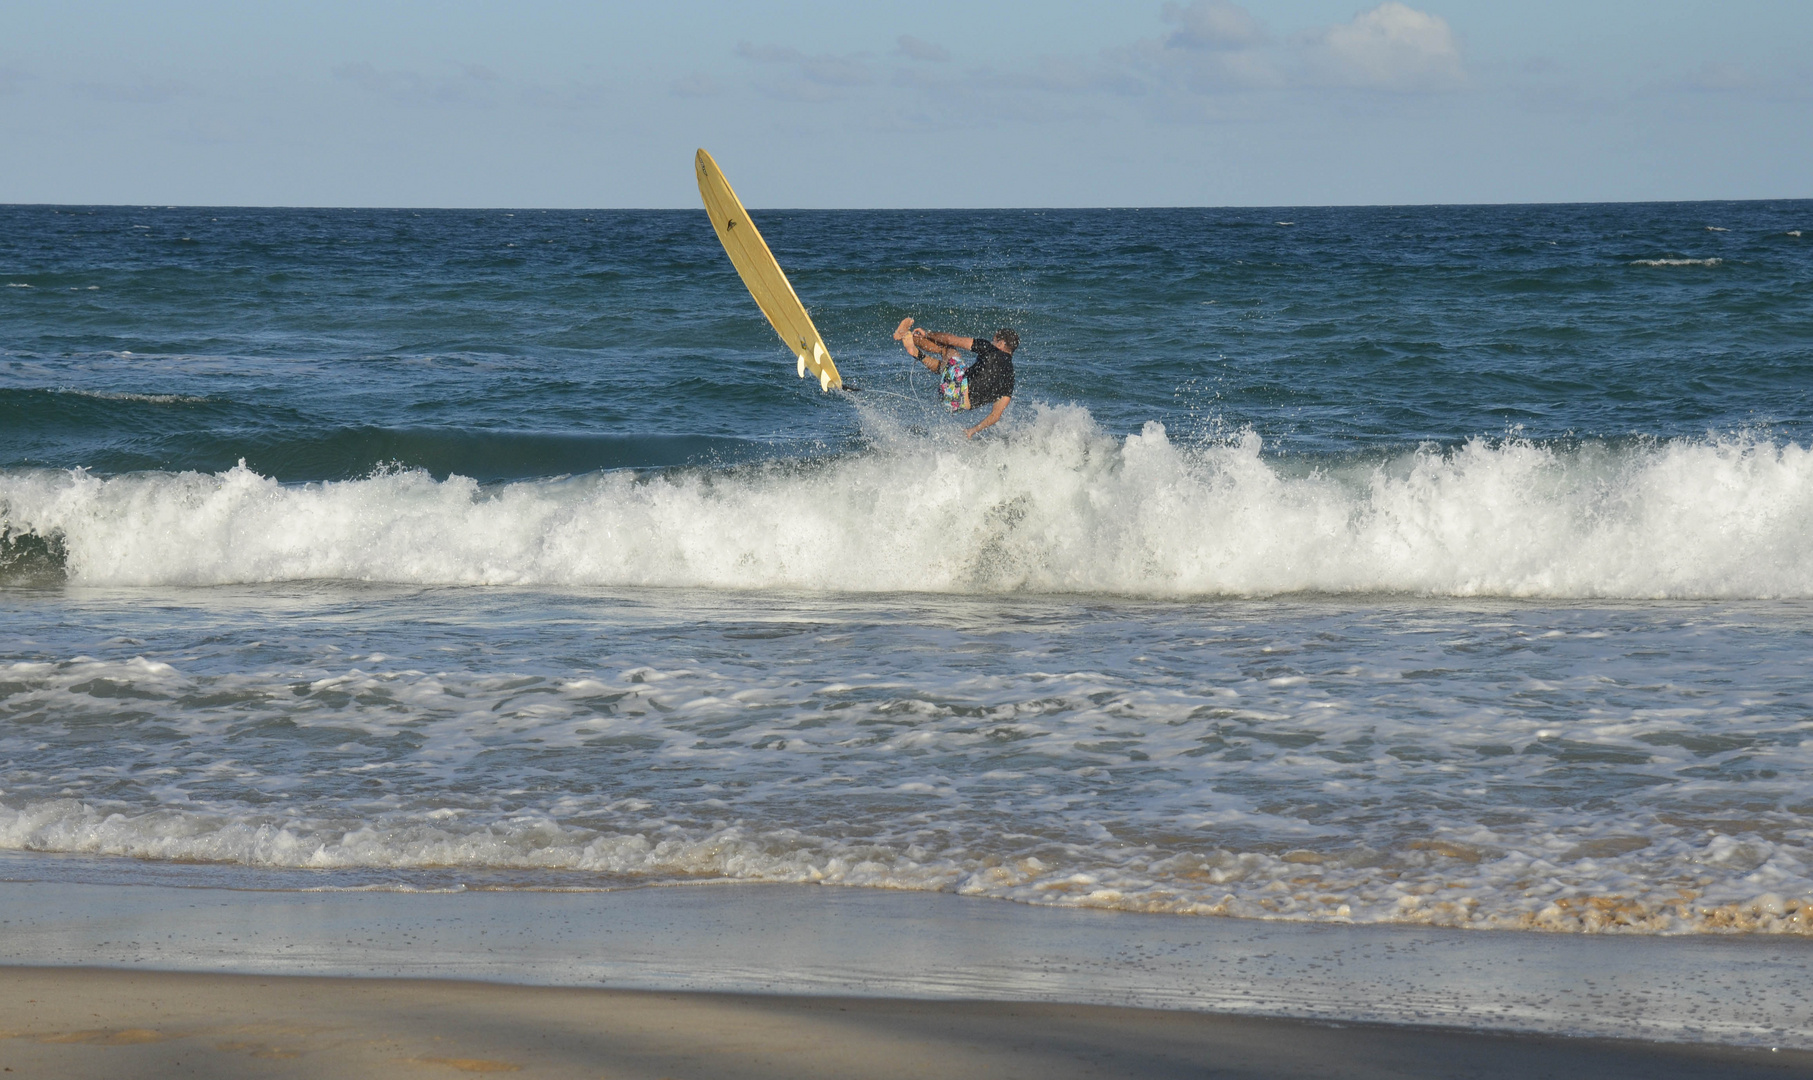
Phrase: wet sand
[108,979]
[85,1022]
[1735,990]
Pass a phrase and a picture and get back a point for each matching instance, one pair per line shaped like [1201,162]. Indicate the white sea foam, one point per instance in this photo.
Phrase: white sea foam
[1482,767]
[1676,262]
[151,399]
[19,285]
[1486,881]
[1055,506]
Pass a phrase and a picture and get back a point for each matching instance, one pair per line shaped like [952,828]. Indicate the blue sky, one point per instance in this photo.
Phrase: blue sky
[933,103]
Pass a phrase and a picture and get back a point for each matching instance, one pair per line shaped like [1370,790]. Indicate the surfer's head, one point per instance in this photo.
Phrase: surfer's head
[1006,340]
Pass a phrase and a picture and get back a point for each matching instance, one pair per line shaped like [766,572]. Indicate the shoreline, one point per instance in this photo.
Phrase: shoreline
[872,944]
[87,1022]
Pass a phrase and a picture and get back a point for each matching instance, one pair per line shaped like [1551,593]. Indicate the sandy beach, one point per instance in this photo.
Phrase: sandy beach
[100,1023]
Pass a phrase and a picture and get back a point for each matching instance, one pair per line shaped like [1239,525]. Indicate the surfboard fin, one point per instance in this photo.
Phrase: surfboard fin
[802,365]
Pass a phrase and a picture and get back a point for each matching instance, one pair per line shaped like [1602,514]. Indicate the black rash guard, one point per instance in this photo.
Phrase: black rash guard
[991,375]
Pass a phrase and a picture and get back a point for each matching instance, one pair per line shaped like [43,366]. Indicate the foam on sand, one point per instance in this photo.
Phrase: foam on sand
[897,946]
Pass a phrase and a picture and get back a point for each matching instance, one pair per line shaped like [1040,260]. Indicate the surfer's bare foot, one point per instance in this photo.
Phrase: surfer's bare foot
[907,336]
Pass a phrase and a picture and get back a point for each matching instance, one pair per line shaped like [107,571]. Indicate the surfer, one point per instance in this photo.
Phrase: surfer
[987,379]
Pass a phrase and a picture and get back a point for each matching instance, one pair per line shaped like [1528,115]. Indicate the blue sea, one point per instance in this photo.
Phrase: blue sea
[1434,565]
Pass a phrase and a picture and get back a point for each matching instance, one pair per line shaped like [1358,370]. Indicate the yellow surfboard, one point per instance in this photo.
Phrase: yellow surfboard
[773,294]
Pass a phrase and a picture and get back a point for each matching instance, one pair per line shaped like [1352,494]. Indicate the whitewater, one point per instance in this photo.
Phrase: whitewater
[1057,506]
[1633,769]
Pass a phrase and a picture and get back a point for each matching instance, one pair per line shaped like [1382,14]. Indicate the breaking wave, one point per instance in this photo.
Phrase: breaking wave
[1056,505]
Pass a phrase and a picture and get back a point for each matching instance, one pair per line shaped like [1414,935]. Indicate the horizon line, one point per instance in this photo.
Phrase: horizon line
[894,209]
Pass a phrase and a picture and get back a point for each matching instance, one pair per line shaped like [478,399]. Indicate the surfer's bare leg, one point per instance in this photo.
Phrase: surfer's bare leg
[912,339]
[909,339]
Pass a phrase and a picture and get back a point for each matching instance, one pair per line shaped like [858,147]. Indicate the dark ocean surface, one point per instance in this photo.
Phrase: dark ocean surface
[1438,564]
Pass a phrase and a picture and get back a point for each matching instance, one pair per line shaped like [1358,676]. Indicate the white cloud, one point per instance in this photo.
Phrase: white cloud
[1211,55]
[570,96]
[698,84]
[825,69]
[918,49]
[474,85]
[1216,47]
[141,91]
[1755,82]
[1066,76]
[1720,78]
[1211,24]
[824,77]
[769,54]
[1214,59]
[1040,90]
[836,71]
[210,131]
[1392,47]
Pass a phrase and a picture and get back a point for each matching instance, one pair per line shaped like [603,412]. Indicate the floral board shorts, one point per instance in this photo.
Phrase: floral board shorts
[953,383]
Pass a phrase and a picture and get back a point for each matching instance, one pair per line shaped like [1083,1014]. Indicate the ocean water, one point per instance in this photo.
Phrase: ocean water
[1446,565]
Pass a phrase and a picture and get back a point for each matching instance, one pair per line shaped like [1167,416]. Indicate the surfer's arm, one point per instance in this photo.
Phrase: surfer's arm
[939,337]
[994,415]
